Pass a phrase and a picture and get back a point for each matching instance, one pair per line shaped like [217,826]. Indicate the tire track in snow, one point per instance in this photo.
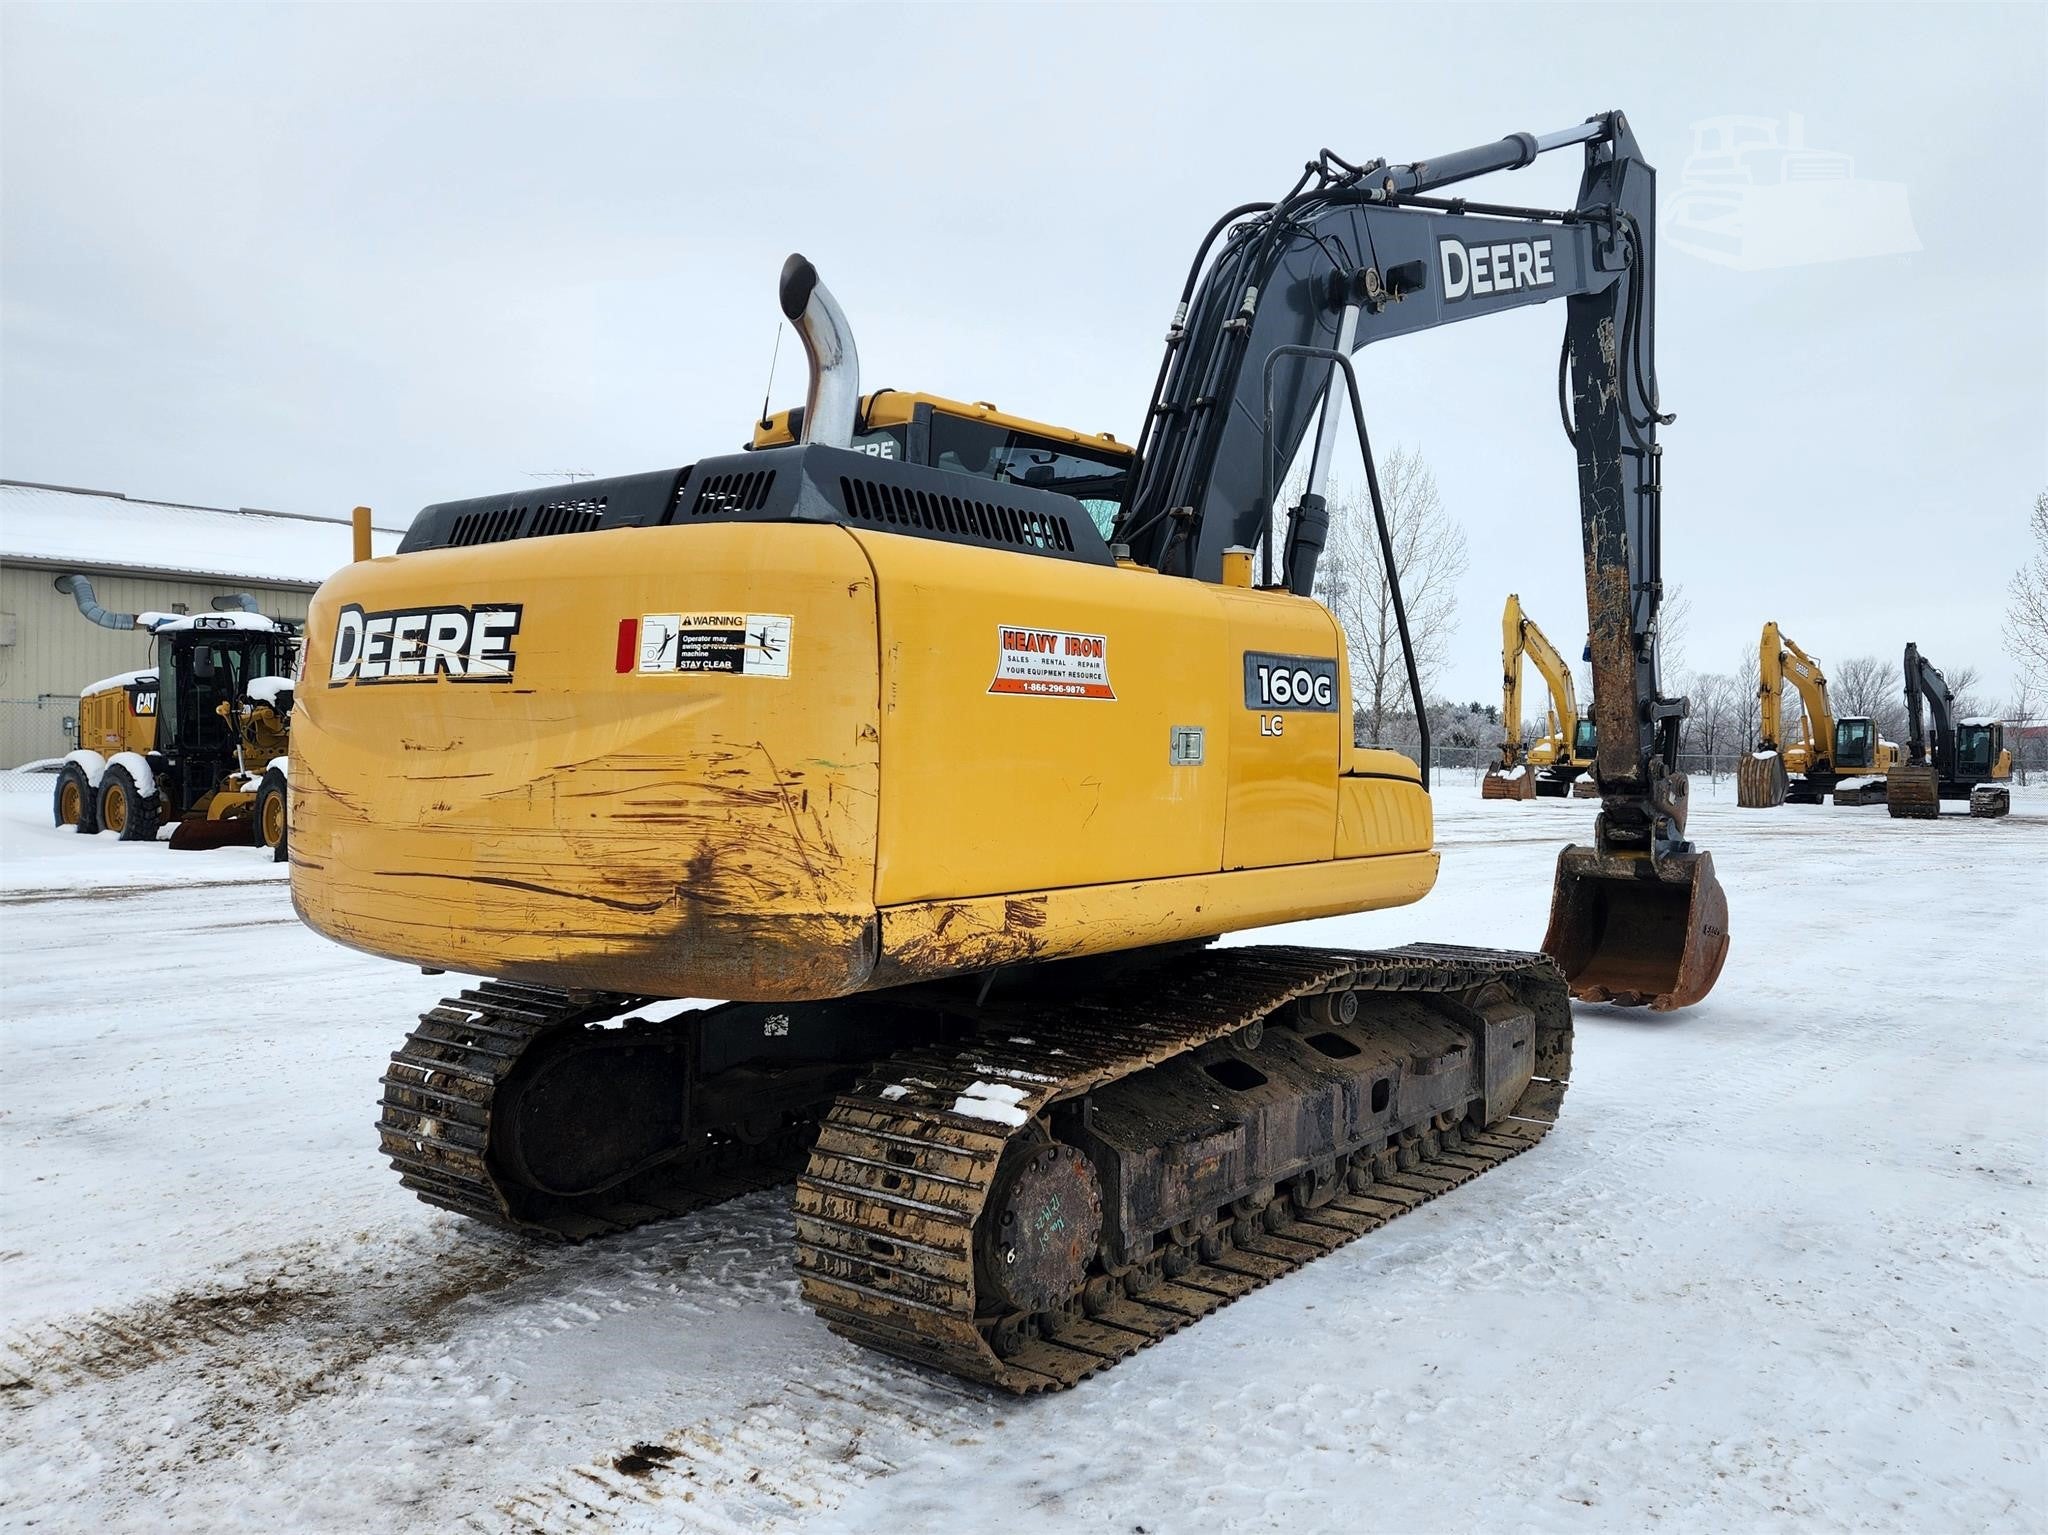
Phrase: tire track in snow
[783,1461]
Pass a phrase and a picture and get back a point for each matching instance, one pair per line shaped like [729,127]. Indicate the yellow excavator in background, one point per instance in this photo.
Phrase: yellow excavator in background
[1555,763]
[1842,755]
[946,743]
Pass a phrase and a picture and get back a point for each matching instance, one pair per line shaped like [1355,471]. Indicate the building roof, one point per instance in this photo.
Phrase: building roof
[99,530]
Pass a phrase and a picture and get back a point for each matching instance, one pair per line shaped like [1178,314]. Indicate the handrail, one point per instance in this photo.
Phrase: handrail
[1379,514]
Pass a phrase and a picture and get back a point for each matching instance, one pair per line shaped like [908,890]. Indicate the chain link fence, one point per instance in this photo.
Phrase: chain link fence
[1467,764]
[35,731]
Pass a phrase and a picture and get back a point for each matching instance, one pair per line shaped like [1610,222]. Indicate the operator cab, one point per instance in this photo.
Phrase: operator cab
[1585,739]
[982,442]
[203,662]
[1978,744]
[1855,744]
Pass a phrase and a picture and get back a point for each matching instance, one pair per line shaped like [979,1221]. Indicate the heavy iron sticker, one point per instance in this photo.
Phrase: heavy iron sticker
[1051,663]
[735,644]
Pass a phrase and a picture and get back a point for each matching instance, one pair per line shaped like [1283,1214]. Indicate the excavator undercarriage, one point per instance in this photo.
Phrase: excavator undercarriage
[1032,1185]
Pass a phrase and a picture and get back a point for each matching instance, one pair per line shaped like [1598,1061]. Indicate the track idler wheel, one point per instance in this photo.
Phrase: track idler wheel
[1039,1232]
[1760,782]
[1635,931]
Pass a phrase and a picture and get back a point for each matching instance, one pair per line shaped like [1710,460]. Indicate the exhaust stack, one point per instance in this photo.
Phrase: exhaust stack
[832,399]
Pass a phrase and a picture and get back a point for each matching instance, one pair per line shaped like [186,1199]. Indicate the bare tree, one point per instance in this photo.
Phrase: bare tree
[1747,712]
[1429,558]
[1874,688]
[1962,682]
[2026,613]
[1709,727]
[1674,615]
[2025,735]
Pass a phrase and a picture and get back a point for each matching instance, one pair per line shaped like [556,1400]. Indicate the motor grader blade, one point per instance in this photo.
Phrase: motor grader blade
[1760,782]
[1507,783]
[1636,932]
[198,834]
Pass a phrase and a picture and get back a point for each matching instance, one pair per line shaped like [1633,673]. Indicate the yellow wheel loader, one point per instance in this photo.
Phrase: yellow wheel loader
[1552,765]
[198,738]
[945,743]
[1842,755]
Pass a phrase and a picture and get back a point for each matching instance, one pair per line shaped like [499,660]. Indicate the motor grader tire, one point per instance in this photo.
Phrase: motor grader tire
[272,804]
[124,809]
[75,803]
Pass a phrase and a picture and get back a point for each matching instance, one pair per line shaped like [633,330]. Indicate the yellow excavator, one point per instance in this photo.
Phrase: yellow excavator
[1554,764]
[1843,755]
[945,742]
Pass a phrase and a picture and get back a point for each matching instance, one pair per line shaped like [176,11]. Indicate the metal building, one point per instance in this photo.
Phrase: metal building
[141,556]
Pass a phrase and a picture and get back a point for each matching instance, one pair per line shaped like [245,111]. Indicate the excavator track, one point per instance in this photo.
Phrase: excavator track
[901,1177]
[443,1086]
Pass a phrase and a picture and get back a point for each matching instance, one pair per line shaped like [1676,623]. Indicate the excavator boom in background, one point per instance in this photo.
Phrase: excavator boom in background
[1843,755]
[1552,765]
[1947,758]
[945,742]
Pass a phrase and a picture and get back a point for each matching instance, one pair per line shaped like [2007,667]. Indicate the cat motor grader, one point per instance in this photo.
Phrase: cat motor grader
[1555,763]
[1839,754]
[198,737]
[946,743]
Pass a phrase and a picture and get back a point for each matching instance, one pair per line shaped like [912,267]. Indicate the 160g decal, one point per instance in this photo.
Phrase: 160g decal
[1276,685]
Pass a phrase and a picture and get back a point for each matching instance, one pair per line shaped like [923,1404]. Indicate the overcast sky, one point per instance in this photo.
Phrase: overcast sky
[303,257]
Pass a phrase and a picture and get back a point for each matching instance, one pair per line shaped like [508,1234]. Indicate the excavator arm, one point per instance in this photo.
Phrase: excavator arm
[1557,675]
[1927,689]
[1520,636]
[1355,254]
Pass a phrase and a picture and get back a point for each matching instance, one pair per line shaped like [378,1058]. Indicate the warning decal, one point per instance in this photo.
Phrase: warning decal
[741,644]
[1051,663]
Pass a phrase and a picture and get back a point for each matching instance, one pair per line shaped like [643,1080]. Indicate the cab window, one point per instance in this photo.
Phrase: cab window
[1009,457]
[1973,746]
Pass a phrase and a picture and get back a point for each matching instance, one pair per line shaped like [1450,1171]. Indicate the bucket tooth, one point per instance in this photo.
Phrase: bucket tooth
[1635,931]
[1760,782]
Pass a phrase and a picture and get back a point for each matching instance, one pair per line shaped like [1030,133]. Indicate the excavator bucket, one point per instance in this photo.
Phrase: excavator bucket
[200,834]
[1913,792]
[1760,782]
[1508,783]
[1636,933]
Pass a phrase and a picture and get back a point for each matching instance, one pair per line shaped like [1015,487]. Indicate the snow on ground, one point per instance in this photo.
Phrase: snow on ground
[1780,1266]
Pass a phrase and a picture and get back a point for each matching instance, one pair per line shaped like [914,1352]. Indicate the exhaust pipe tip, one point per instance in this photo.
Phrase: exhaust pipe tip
[832,398]
[799,278]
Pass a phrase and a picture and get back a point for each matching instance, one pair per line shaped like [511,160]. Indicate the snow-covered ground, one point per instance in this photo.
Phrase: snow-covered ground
[1781,1265]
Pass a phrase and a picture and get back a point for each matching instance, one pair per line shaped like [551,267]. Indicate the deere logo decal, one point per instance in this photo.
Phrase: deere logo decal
[1502,268]
[420,644]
